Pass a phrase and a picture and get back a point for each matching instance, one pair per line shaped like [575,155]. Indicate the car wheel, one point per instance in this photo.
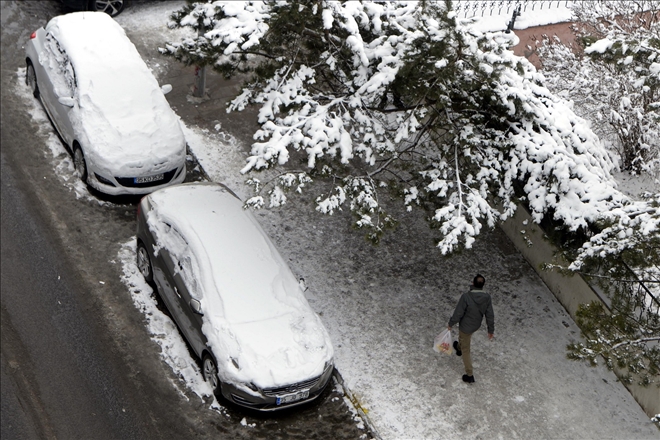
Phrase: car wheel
[110,7]
[79,162]
[144,263]
[31,80]
[210,372]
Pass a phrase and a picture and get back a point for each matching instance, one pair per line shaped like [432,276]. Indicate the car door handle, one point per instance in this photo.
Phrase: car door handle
[177,292]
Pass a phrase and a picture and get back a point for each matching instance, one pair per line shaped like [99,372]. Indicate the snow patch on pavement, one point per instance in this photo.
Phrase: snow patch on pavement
[217,154]
[162,329]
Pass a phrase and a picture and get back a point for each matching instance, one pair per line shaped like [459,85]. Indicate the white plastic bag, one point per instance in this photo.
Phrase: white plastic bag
[443,343]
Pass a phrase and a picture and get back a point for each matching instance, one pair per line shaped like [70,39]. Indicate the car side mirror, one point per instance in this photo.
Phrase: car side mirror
[66,101]
[166,88]
[196,306]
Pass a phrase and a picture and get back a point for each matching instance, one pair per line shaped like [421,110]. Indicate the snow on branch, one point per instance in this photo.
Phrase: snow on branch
[382,96]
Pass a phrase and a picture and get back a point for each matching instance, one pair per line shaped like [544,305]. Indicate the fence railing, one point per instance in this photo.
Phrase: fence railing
[646,303]
[485,8]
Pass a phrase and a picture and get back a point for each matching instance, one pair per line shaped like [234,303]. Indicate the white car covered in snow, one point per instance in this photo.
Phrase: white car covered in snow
[106,104]
[233,297]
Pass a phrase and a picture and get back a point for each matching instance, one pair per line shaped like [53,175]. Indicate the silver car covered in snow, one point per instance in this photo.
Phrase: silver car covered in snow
[233,297]
[106,104]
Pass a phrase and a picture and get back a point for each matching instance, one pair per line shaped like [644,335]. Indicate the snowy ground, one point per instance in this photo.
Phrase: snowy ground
[384,305]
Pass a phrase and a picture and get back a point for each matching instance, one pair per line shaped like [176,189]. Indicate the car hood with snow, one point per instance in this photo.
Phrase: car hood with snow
[256,318]
[121,113]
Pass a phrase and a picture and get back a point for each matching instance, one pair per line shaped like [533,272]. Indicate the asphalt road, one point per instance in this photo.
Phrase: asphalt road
[54,356]
[76,358]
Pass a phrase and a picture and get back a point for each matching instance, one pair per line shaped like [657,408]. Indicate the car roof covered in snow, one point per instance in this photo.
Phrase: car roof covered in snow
[102,54]
[235,255]
[124,109]
[253,307]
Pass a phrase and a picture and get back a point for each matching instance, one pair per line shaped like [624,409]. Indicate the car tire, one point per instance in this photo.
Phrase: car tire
[210,373]
[79,162]
[144,263]
[31,80]
[110,7]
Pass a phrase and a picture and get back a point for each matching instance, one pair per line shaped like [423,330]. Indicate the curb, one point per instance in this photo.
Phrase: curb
[202,171]
[356,405]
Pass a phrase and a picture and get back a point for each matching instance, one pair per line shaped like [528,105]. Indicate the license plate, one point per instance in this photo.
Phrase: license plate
[292,397]
[147,179]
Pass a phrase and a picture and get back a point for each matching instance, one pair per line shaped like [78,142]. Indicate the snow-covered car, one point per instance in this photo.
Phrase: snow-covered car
[233,297]
[111,7]
[106,104]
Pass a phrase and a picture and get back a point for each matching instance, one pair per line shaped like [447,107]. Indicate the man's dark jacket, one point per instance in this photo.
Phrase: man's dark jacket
[470,311]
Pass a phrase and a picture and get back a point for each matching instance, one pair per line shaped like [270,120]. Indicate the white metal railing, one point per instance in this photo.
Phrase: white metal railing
[486,8]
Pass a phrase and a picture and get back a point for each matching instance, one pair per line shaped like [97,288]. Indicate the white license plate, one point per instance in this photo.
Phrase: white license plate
[147,179]
[292,397]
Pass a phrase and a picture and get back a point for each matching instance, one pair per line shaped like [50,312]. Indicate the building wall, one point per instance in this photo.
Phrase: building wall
[532,38]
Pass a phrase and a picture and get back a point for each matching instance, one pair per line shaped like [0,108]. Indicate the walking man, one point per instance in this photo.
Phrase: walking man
[469,314]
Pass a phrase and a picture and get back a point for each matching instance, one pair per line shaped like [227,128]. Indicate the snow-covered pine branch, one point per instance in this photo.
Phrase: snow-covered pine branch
[635,341]
[626,339]
[614,82]
[380,95]
[631,233]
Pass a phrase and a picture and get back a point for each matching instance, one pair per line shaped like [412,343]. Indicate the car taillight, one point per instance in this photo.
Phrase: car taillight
[139,208]
[33,35]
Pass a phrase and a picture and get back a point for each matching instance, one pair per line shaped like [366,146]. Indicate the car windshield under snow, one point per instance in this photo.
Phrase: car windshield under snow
[120,100]
[235,257]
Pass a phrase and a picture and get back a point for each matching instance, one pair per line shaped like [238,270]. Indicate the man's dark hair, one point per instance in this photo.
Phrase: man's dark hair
[479,281]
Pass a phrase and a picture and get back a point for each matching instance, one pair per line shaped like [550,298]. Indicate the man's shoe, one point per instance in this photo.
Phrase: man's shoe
[468,379]
[458,350]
